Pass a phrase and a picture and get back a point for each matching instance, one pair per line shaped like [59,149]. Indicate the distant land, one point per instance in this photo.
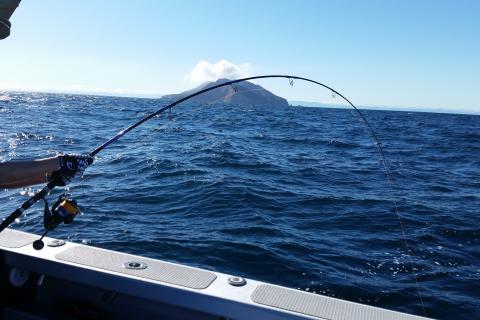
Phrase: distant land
[242,93]
[384,108]
[247,93]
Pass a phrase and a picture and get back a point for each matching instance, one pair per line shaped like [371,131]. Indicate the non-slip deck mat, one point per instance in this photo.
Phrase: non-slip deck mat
[155,270]
[15,239]
[320,306]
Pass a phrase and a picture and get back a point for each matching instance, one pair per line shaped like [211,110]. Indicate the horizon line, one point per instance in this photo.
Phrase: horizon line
[300,103]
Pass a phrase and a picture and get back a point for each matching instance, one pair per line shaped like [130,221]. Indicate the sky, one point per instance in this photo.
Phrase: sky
[391,54]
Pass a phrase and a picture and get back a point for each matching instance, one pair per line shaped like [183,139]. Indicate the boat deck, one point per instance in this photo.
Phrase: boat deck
[67,277]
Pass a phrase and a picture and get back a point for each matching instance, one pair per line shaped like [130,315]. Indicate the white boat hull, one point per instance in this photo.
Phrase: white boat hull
[77,281]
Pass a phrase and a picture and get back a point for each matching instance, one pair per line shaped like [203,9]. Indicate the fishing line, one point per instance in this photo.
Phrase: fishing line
[291,80]
[51,185]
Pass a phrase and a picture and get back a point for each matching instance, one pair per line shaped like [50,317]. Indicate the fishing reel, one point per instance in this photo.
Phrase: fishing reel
[63,210]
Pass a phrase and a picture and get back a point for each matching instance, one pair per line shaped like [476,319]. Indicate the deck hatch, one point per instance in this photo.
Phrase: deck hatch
[157,270]
[16,239]
[320,306]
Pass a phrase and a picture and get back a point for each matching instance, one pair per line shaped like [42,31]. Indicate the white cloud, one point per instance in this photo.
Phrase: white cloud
[206,71]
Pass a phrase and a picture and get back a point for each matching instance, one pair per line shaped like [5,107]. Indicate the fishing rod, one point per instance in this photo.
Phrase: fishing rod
[65,209]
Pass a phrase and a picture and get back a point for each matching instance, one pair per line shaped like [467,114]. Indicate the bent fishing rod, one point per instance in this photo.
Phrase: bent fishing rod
[69,206]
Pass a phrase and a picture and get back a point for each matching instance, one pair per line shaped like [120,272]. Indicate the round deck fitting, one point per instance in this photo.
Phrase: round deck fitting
[134,265]
[55,243]
[237,281]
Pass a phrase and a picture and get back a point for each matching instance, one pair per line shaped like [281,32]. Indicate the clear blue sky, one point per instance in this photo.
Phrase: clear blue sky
[386,53]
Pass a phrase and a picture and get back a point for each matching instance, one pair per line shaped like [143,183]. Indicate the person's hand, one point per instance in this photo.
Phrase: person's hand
[70,166]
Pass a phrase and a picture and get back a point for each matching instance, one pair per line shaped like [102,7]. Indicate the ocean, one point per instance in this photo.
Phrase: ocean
[295,196]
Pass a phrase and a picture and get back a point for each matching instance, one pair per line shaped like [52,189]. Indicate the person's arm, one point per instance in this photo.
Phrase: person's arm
[16,174]
[61,169]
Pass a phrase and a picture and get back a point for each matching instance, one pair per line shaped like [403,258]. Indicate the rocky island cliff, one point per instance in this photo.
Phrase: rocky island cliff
[242,93]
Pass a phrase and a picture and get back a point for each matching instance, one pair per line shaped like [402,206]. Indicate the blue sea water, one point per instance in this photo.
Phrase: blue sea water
[295,196]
